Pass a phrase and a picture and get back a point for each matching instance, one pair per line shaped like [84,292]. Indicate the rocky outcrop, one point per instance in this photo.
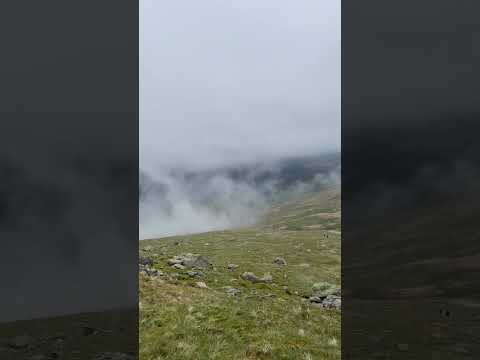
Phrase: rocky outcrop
[326,295]
[190,261]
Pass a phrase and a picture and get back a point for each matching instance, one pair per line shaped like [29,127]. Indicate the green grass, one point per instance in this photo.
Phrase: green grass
[180,321]
[314,211]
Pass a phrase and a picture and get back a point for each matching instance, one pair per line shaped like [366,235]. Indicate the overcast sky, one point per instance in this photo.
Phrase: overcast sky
[231,81]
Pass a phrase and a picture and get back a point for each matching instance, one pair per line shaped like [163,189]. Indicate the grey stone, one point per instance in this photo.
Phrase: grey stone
[332,302]
[233,291]
[174,261]
[191,261]
[194,273]
[232,267]
[249,276]
[197,261]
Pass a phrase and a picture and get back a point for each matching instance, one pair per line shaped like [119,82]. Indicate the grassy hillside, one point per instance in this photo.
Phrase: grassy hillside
[313,211]
[214,313]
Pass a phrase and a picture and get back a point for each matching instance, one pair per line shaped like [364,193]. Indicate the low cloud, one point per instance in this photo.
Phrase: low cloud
[182,203]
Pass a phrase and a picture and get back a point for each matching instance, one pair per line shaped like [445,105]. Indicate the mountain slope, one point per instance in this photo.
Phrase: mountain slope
[215,312]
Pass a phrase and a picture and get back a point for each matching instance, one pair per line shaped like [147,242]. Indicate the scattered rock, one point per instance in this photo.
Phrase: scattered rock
[332,302]
[145,261]
[280,261]
[233,291]
[232,267]
[151,272]
[190,261]
[326,295]
[197,261]
[301,332]
[249,276]
[194,273]
[178,266]
[201,285]
[148,248]
[174,276]
[174,261]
